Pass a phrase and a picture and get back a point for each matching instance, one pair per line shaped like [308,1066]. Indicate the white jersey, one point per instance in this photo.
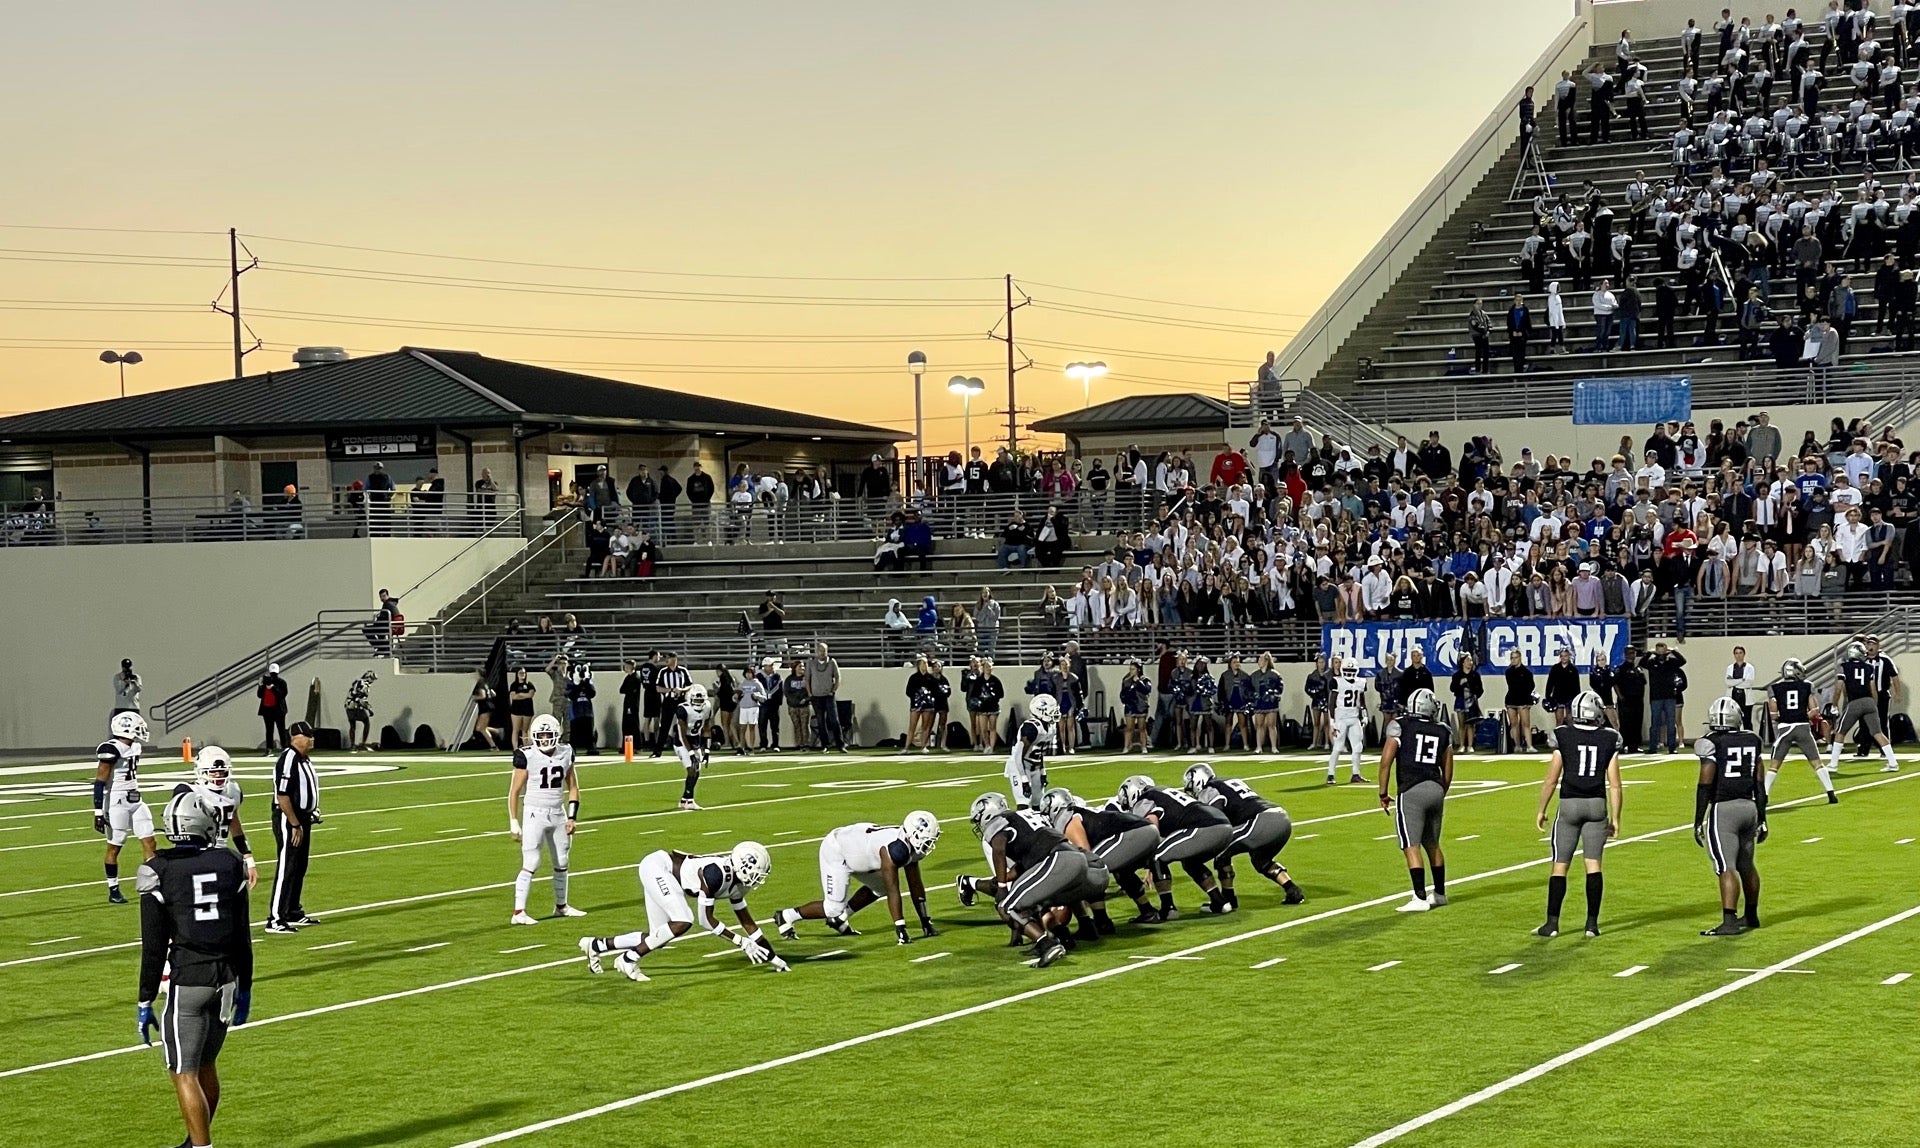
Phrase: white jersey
[225,803]
[709,876]
[123,760]
[1349,698]
[547,774]
[1029,753]
[862,844]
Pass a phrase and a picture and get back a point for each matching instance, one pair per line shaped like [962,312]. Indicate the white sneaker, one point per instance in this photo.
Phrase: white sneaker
[520,917]
[1414,905]
[593,958]
[1890,767]
[629,965]
[688,803]
[568,911]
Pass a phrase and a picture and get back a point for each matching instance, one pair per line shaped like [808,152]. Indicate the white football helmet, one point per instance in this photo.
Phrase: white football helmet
[1724,714]
[985,808]
[751,863]
[213,768]
[1132,788]
[1199,775]
[546,733]
[696,698]
[1793,669]
[1046,709]
[129,726]
[922,831]
[1587,709]
[1424,705]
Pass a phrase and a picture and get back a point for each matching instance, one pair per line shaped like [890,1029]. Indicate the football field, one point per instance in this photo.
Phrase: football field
[415,1015]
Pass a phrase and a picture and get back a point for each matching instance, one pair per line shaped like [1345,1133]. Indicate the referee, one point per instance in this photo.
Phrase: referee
[193,916]
[670,682]
[296,810]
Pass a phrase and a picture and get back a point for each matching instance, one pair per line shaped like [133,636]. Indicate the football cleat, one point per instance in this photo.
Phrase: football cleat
[1148,917]
[305,920]
[1356,779]
[1414,905]
[1890,767]
[568,911]
[115,896]
[592,954]
[1051,950]
[1295,896]
[842,926]
[629,966]
[963,885]
[1832,798]
[688,803]
[281,927]
[520,917]
[1438,899]
[784,926]
[1550,929]
[1593,928]
[1170,914]
[1724,929]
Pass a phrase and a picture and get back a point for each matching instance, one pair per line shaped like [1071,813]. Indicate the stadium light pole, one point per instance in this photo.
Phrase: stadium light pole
[1086,373]
[123,359]
[917,366]
[966,388]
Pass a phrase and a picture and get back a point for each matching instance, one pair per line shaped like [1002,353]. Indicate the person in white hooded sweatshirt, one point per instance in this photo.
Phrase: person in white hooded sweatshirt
[1556,321]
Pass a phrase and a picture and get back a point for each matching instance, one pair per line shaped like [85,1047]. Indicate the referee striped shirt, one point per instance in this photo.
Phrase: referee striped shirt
[293,776]
[672,682]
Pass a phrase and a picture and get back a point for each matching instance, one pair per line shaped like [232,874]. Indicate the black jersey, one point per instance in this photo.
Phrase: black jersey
[1105,824]
[1736,764]
[1422,753]
[1857,675]
[1793,699]
[193,913]
[1177,811]
[1236,799]
[1585,754]
[1027,839]
[1600,681]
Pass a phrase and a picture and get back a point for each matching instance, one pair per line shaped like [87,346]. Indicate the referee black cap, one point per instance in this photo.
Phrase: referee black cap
[300,729]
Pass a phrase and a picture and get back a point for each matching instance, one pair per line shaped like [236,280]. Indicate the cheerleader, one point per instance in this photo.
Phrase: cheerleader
[1200,705]
[1136,695]
[1179,689]
[1267,688]
[1236,702]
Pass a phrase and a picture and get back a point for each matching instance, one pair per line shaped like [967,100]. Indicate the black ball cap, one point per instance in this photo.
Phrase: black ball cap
[300,729]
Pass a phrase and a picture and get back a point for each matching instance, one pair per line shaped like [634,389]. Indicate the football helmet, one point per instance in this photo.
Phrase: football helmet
[546,733]
[213,768]
[1793,669]
[922,831]
[696,698]
[751,863]
[1424,705]
[1046,709]
[1199,775]
[129,726]
[1587,709]
[1057,801]
[986,807]
[1855,651]
[1132,788]
[1724,714]
[187,818]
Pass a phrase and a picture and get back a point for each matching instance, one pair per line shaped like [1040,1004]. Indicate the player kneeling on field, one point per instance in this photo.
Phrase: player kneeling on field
[874,856]
[1260,830]
[1190,833]
[1115,838]
[1730,813]
[1420,752]
[1035,872]
[544,773]
[1586,767]
[667,878]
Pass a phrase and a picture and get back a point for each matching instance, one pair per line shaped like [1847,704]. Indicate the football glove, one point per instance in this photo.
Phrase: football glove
[1700,836]
[99,822]
[513,828]
[1761,835]
[756,954]
[147,1022]
[900,933]
[780,966]
[242,1006]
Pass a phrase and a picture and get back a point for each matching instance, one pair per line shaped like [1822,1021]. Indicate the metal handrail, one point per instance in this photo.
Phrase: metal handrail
[1329,415]
[195,518]
[556,534]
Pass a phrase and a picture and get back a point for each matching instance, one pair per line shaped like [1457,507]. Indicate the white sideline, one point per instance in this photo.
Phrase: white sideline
[1632,1030]
[1290,923]
[1044,990]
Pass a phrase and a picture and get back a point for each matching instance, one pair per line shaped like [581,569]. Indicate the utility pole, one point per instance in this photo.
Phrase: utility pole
[234,271]
[1013,369]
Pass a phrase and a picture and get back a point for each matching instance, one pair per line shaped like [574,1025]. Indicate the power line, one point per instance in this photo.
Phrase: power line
[608,333]
[1162,320]
[107,230]
[1164,302]
[1087,349]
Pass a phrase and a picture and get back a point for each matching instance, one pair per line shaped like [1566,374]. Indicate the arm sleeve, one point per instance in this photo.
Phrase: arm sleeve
[156,931]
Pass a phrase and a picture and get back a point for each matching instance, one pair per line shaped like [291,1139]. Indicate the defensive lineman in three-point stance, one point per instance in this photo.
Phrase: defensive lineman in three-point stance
[1790,702]
[1420,751]
[1260,830]
[544,775]
[667,878]
[874,857]
[1730,813]
[1586,768]
[117,808]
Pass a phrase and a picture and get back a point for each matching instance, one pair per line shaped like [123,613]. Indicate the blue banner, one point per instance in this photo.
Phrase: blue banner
[1630,402]
[1594,641]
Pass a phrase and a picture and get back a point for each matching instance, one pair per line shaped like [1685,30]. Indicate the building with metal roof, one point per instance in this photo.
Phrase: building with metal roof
[1184,421]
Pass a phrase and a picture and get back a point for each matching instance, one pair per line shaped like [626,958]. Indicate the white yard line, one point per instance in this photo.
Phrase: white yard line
[1503,969]
[57,940]
[1632,970]
[1627,1033]
[1896,978]
[332,945]
[1383,965]
[521,949]
[1270,962]
[928,957]
[428,948]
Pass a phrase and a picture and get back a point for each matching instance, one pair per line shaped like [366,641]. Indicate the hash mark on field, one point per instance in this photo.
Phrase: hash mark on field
[789,833]
[1468,837]
[1503,969]
[717,953]
[57,940]
[521,949]
[1383,966]
[1896,978]
[426,948]
[828,953]
[1802,972]
[715,832]
[444,832]
[928,957]
[12,829]
[1306,836]
[1631,970]
[1384,837]
[392,829]
[1146,957]
[1811,840]
[1904,841]
[768,785]
[1267,964]
[329,945]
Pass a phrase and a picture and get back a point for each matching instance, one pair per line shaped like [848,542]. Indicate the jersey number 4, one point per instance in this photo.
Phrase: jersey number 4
[206,900]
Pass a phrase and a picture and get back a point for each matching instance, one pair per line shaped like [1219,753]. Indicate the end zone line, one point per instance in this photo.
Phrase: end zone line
[1632,1030]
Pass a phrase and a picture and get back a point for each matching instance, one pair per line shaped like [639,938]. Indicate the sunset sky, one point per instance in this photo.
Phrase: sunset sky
[815,190]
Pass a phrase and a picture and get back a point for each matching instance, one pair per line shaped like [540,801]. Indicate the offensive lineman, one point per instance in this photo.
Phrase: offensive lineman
[1790,702]
[1730,813]
[1347,697]
[874,856]
[1027,760]
[117,808]
[543,772]
[1260,830]
[1586,767]
[1856,695]
[686,718]
[667,877]
[1425,774]
[193,917]
[220,793]
[1035,871]
[1190,833]
[1118,840]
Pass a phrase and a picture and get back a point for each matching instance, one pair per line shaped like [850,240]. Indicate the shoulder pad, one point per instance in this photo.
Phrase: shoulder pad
[519,759]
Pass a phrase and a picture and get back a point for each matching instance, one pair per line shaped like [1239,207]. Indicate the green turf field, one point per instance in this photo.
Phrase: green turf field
[414,1015]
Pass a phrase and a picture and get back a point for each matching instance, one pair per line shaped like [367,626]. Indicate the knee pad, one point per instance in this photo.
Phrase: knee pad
[659,937]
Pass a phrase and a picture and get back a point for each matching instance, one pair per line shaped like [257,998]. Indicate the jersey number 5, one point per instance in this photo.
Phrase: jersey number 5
[206,900]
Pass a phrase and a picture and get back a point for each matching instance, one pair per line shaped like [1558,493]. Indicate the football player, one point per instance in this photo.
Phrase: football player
[1730,813]
[1260,830]
[1420,754]
[117,808]
[1790,702]
[1586,767]
[874,857]
[220,793]
[1027,760]
[1035,872]
[687,719]
[667,878]
[544,774]
[1856,694]
[1347,696]
[1190,833]
[1118,840]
